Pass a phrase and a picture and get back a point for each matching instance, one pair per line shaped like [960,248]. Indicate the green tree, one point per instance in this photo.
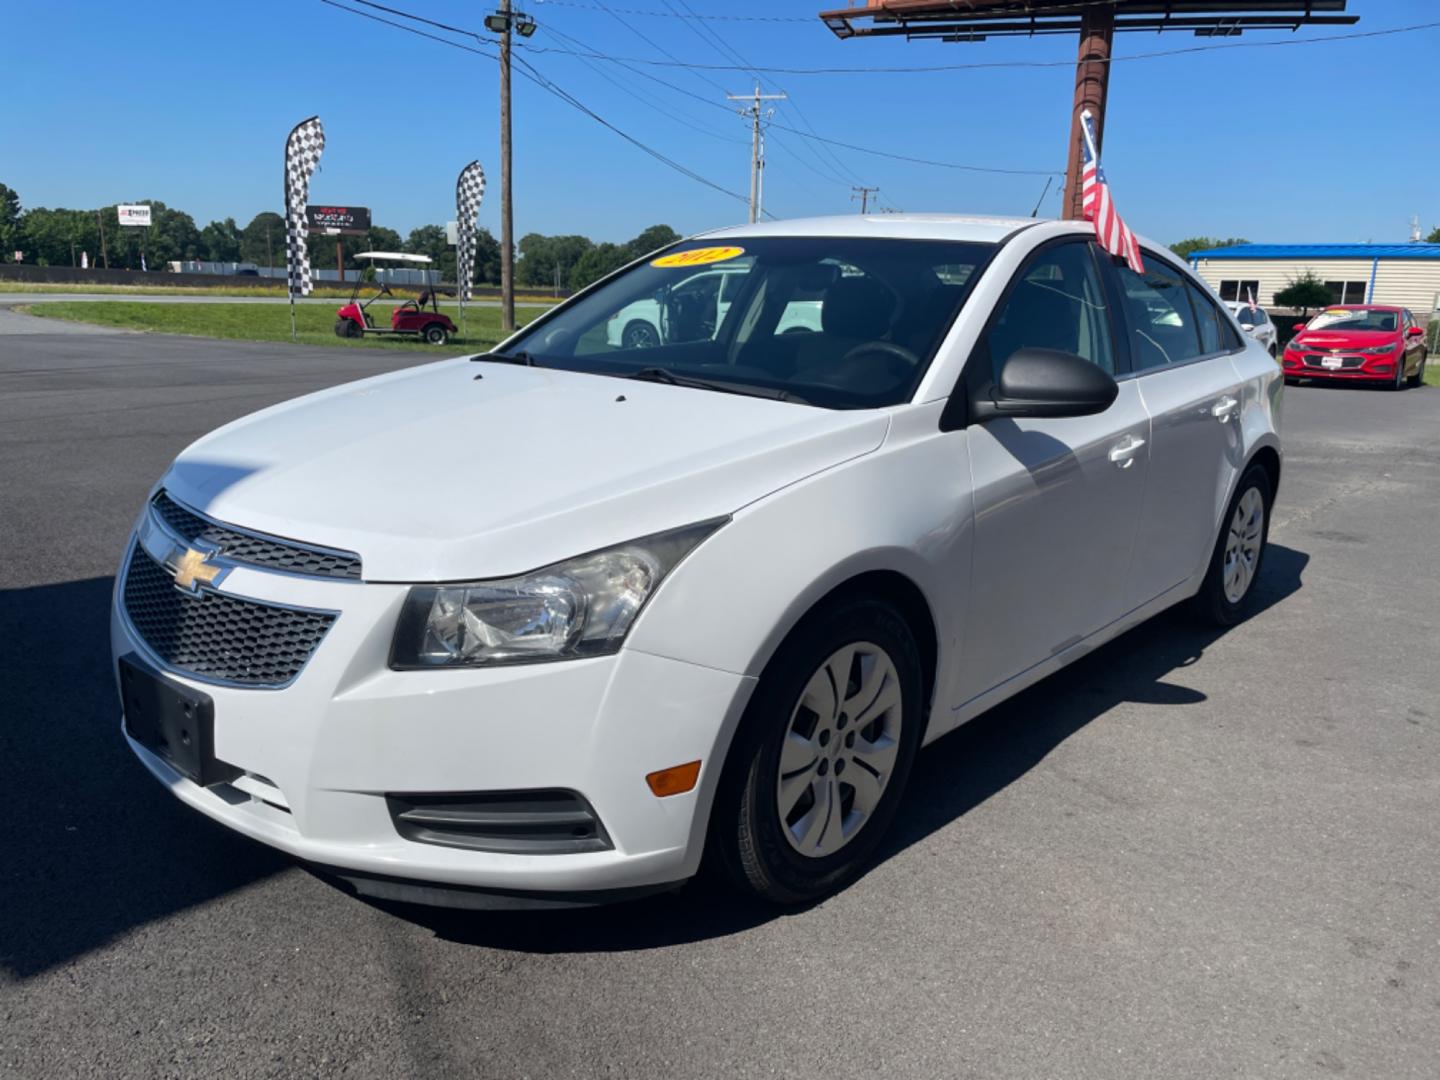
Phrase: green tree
[57,237]
[1185,248]
[1434,237]
[220,241]
[542,256]
[652,239]
[1304,292]
[262,242]
[383,239]
[600,260]
[9,222]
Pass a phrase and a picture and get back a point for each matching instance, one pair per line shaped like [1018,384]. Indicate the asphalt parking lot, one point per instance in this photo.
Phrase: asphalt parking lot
[1190,855]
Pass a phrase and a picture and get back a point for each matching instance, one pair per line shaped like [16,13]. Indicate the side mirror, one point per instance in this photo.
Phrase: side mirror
[1298,327]
[1047,382]
[1415,331]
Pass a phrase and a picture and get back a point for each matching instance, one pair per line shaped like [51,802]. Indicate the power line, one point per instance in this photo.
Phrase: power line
[917,160]
[808,19]
[990,65]
[534,75]
[724,48]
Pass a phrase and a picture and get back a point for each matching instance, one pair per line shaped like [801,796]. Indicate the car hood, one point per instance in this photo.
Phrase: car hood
[467,470]
[1345,339]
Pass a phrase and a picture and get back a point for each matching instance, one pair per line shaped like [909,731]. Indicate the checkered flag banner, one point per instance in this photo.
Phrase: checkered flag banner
[469,191]
[302,153]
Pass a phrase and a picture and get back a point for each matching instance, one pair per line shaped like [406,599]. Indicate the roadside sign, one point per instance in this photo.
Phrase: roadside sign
[133,214]
[452,233]
[338,220]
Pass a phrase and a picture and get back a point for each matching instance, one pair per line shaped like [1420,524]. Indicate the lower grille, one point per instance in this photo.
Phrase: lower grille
[217,637]
[512,822]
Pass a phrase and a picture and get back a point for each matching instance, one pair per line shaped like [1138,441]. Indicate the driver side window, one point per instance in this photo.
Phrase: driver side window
[1056,303]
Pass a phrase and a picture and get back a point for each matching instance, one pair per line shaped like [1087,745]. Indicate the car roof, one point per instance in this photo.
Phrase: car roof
[1392,308]
[975,228]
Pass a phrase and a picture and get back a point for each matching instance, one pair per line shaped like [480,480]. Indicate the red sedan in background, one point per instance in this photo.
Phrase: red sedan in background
[1362,342]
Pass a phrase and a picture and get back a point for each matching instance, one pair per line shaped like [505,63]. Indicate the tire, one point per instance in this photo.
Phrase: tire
[346,328]
[1223,600]
[639,334]
[796,753]
[1418,379]
[435,334]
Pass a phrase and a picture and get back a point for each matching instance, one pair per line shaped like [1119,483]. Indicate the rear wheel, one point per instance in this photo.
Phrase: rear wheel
[639,334]
[1229,583]
[822,756]
[435,334]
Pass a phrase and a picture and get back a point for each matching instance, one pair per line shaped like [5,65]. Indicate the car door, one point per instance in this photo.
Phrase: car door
[1057,501]
[1180,346]
[1414,343]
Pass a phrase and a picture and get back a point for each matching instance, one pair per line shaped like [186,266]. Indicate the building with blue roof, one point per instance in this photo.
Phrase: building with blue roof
[1405,275]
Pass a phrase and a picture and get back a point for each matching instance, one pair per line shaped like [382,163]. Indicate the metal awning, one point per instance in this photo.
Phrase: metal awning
[975,20]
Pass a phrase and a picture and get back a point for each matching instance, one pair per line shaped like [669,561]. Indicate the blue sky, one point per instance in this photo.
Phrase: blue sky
[190,103]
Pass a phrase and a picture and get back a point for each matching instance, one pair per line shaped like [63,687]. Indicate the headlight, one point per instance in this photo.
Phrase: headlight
[1380,350]
[581,607]
[1295,346]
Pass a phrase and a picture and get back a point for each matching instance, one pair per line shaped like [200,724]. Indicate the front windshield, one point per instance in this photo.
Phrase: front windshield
[839,322]
[1247,317]
[1353,319]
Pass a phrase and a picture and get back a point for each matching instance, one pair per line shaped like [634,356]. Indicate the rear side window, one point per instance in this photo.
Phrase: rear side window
[1215,333]
[1159,316]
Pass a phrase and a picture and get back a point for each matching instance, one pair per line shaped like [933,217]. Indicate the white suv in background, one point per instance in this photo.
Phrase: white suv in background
[553,623]
[1257,323]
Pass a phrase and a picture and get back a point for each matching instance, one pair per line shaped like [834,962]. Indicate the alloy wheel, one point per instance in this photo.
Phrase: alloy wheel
[840,749]
[1242,546]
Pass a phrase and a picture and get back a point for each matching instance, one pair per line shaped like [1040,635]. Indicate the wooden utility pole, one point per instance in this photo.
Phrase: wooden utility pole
[1092,85]
[507,226]
[757,144]
[104,259]
[863,193]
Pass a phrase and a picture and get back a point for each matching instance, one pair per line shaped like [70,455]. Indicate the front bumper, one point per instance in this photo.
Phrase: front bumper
[320,754]
[1358,368]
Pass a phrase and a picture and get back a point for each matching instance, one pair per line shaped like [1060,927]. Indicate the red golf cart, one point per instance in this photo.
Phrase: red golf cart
[420,317]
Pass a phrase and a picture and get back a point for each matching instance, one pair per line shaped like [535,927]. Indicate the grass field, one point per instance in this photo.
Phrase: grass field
[332,291]
[266,322]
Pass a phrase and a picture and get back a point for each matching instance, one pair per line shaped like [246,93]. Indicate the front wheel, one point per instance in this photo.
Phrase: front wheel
[435,334]
[1419,376]
[346,328]
[1225,595]
[822,756]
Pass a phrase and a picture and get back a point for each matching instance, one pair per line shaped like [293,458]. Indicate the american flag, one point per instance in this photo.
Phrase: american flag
[1098,206]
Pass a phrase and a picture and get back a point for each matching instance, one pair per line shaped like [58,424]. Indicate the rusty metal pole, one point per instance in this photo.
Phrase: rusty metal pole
[1092,84]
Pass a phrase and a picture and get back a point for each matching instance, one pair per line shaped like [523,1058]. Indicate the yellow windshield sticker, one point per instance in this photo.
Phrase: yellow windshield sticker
[1338,312]
[698,256]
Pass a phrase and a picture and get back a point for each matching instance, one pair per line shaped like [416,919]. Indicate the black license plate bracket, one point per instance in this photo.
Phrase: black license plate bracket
[173,721]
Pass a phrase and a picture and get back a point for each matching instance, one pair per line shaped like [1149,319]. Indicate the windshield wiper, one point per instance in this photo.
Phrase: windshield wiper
[670,378]
[522,358]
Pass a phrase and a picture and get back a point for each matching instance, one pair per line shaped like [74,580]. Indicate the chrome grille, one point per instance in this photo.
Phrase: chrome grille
[268,552]
[217,637]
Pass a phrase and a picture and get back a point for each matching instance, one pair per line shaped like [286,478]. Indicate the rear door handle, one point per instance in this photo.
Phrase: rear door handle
[1225,408]
[1123,453]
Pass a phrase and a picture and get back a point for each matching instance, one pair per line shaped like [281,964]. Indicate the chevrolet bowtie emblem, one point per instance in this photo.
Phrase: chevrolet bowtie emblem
[193,569]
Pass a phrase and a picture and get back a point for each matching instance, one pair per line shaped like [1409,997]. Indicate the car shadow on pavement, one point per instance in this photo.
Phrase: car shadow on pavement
[93,846]
[952,776]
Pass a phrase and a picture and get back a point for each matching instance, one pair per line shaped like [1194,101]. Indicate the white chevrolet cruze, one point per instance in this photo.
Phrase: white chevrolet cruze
[554,623]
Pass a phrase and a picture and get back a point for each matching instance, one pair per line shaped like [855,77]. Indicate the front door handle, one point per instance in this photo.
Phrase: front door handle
[1123,453]
[1225,408]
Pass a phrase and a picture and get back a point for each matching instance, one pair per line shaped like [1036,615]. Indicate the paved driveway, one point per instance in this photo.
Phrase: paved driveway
[1190,855]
